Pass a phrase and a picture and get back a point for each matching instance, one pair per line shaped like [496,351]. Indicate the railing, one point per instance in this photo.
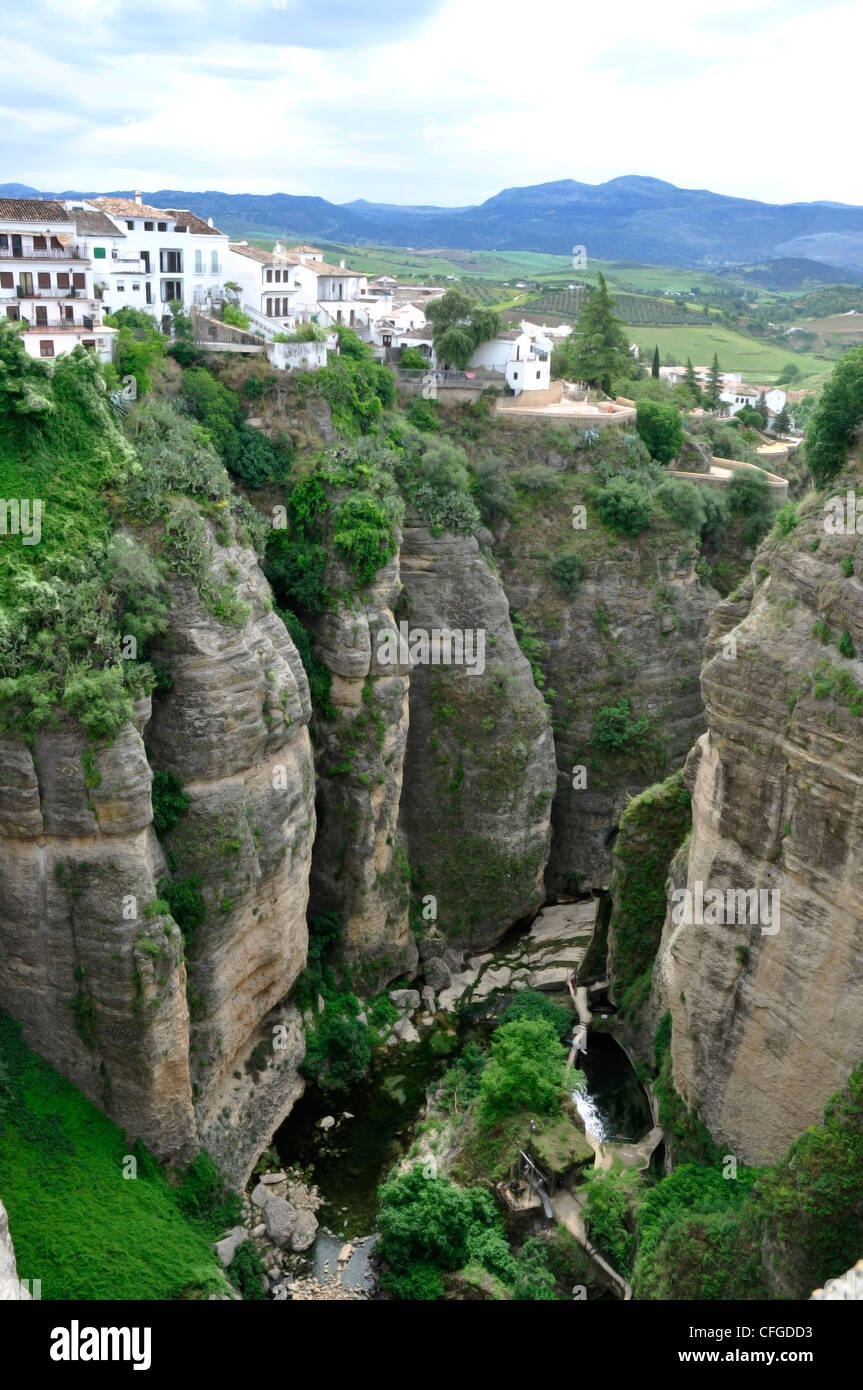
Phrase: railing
[51,253]
[86,325]
[20,292]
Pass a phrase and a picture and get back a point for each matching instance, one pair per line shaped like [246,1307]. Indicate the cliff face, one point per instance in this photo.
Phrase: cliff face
[93,968]
[11,1289]
[479,771]
[768,1017]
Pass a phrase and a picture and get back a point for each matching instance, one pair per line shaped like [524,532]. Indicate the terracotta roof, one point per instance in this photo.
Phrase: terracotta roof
[256,253]
[191,222]
[321,268]
[32,210]
[424,333]
[90,223]
[127,207]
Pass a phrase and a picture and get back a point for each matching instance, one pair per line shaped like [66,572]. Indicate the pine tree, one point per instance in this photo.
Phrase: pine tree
[714,385]
[654,370]
[762,407]
[600,345]
[782,423]
[692,382]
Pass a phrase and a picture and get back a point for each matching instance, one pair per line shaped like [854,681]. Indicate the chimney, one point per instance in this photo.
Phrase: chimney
[342,263]
[209,221]
[138,197]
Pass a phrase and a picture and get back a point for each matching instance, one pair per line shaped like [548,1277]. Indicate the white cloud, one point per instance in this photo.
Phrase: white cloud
[753,101]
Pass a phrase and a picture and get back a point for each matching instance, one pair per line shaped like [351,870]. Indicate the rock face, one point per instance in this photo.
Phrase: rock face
[479,770]
[768,1017]
[359,865]
[92,967]
[11,1290]
[633,630]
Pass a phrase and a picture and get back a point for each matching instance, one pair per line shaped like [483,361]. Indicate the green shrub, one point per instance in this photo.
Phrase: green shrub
[245,1271]
[684,502]
[169,801]
[424,415]
[186,904]
[625,505]
[412,360]
[566,571]
[614,728]
[836,418]
[428,1225]
[846,644]
[533,1004]
[364,534]
[786,519]
[659,426]
[234,316]
[526,1070]
[254,460]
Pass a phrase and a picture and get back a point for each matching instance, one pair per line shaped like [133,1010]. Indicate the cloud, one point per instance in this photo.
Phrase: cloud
[432,101]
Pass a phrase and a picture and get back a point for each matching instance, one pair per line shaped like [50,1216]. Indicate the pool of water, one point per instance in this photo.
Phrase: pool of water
[374,1127]
[613,1105]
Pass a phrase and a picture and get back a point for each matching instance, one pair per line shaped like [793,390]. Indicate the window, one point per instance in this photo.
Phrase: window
[148,293]
[137,287]
[161,226]
[62,279]
[269,308]
[215,268]
[46,347]
[145,257]
[269,277]
[130,225]
[39,243]
[13,313]
[515,376]
[7,280]
[538,376]
[171,261]
[4,242]
[89,343]
[148,226]
[43,280]
[171,289]
[78,279]
[199,262]
[121,289]
[41,315]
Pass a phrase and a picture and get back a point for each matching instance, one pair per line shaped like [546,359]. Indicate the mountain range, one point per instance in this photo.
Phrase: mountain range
[631,217]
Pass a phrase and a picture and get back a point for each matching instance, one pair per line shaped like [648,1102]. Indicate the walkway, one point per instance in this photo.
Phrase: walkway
[567,1209]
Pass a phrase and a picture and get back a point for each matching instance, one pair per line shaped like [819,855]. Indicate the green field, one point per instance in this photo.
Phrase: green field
[760,362]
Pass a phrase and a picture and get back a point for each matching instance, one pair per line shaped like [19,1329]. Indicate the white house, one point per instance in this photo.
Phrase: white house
[46,280]
[526,366]
[167,254]
[265,283]
[736,396]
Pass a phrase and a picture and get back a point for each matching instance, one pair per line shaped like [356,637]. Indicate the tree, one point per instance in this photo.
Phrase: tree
[625,505]
[600,345]
[762,407]
[692,383]
[459,325]
[836,418]
[660,428]
[526,1070]
[782,422]
[788,374]
[654,369]
[714,384]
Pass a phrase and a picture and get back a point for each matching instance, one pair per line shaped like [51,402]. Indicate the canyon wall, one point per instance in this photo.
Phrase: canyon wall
[768,1017]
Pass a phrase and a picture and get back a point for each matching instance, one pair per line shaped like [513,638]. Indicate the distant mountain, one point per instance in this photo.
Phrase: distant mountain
[629,218]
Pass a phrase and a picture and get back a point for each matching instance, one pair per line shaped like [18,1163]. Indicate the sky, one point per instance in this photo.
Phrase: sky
[432,101]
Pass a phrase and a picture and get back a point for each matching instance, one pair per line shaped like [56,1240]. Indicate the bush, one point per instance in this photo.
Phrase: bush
[526,1070]
[214,405]
[169,801]
[625,506]
[566,571]
[749,496]
[254,460]
[493,492]
[660,428]
[413,360]
[684,502]
[234,316]
[424,415]
[429,1225]
[245,1271]
[364,534]
[533,1004]
[614,727]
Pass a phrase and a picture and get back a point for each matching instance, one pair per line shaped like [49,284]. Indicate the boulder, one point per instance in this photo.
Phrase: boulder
[437,973]
[408,1000]
[260,1195]
[287,1226]
[327,1122]
[405,1031]
[226,1248]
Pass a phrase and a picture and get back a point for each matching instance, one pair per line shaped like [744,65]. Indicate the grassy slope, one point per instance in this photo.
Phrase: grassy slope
[77,1224]
[736,353]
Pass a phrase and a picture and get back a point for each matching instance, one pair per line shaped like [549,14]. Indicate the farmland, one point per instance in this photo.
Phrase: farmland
[761,362]
[634,308]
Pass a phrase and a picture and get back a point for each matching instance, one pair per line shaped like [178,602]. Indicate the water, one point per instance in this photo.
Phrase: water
[350,1160]
[614,1105]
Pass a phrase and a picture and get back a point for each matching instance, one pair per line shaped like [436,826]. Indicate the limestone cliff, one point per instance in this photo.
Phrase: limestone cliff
[768,1018]
[11,1289]
[93,965]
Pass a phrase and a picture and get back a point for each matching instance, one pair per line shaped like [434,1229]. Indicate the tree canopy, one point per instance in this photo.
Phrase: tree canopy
[597,350]
[459,325]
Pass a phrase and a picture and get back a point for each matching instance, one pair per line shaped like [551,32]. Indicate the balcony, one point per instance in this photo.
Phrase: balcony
[20,292]
[51,253]
[82,325]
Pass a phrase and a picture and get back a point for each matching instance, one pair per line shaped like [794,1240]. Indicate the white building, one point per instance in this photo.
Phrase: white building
[46,280]
[735,396]
[525,365]
[167,254]
[265,283]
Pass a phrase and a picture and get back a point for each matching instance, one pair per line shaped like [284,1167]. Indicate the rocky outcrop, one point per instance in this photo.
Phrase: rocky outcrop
[768,1016]
[94,966]
[479,769]
[11,1288]
[360,863]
